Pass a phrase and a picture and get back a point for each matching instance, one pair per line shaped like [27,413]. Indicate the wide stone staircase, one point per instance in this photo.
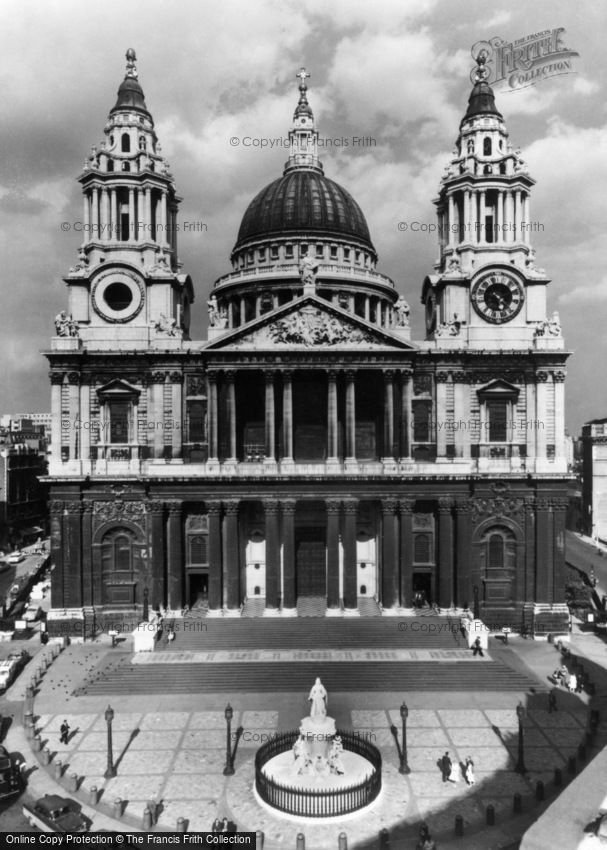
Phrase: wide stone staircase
[363,662]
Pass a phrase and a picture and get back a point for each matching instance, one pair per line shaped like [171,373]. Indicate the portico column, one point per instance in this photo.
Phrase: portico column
[509,223]
[500,217]
[526,231]
[175,558]
[350,582]
[289,599]
[406,552]
[405,414]
[214,513]
[332,415]
[463,543]
[389,554]
[272,553]
[388,446]
[163,218]
[367,309]
[156,587]
[56,384]
[445,553]
[231,552]
[56,545]
[350,416]
[105,215]
[230,379]
[213,417]
[559,415]
[87,554]
[148,214]
[157,407]
[287,414]
[270,417]
[86,217]
[473,217]
[333,511]
[243,312]
[541,409]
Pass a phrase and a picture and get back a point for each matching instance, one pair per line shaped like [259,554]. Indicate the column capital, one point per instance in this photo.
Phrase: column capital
[57,507]
[175,508]
[231,507]
[212,375]
[287,374]
[350,506]
[56,378]
[176,377]
[87,508]
[270,377]
[332,374]
[464,505]
[158,377]
[406,374]
[230,375]
[406,506]
[73,378]
[351,374]
[213,507]
[333,506]
[388,374]
[271,506]
[288,506]
[445,505]
[389,506]
[155,507]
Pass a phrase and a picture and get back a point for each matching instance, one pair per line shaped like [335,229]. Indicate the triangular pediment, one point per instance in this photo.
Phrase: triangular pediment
[117,389]
[309,322]
[498,389]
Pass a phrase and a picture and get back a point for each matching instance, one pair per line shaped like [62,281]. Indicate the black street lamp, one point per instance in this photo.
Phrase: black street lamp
[404,767]
[520,765]
[110,772]
[229,768]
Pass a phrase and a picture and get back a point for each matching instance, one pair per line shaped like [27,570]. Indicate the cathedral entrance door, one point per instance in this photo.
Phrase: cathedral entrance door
[198,590]
[311,561]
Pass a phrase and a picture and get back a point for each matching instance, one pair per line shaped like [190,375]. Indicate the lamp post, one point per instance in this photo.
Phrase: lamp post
[404,767]
[110,772]
[520,765]
[229,768]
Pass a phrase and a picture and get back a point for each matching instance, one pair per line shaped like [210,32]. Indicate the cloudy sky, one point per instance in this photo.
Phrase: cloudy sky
[393,70]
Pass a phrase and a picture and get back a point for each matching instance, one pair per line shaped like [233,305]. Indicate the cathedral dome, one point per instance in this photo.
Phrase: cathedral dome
[304,200]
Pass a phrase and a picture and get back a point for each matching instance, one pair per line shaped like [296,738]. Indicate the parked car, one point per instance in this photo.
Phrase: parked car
[52,813]
[32,612]
[20,657]
[15,558]
[8,672]
[10,776]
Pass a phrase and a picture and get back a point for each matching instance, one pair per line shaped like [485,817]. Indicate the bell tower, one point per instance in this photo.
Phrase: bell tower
[487,291]
[126,290]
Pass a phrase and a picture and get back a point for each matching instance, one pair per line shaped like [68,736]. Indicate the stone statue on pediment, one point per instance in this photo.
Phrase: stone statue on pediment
[308,269]
[218,318]
[165,325]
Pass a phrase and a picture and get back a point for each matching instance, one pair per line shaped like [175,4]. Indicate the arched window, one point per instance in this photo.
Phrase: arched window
[125,143]
[126,166]
[142,143]
[198,549]
[487,147]
[110,165]
[495,560]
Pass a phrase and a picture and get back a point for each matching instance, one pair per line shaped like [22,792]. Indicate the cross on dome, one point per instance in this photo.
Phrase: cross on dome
[302,76]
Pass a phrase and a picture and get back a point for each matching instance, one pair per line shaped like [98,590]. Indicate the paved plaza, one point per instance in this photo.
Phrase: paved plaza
[171,749]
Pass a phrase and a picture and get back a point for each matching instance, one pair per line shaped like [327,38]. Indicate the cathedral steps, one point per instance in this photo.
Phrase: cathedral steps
[119,677]
[423,632]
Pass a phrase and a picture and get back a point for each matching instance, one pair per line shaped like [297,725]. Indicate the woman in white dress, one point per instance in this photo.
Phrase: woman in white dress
[455,772]
[469,772]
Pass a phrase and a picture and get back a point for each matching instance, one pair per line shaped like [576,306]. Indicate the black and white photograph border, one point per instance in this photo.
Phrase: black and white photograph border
[302,526]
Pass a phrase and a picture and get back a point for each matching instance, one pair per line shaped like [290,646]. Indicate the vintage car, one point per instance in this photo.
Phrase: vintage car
[10,776]
[8,671]
[52,813]
[19,657]
[15,558]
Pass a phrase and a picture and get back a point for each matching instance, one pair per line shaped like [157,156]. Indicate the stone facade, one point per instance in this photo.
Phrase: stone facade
[308,448]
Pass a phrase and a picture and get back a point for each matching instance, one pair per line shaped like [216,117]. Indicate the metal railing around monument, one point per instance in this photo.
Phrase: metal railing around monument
[321,803]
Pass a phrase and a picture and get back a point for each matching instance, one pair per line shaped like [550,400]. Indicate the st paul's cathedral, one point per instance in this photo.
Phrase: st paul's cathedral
[308,457]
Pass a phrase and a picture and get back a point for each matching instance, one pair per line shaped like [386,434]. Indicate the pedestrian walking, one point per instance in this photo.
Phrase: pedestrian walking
[552,706]
[469,771]
[446,767]
[477,648]
[65,733]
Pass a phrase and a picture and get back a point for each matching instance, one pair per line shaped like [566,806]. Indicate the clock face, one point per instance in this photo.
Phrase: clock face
[497,297]
[118,295]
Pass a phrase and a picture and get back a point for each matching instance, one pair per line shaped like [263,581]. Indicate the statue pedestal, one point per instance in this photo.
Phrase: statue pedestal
[318,733]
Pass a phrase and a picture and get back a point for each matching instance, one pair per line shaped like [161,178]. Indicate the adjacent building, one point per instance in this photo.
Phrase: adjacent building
[308,456]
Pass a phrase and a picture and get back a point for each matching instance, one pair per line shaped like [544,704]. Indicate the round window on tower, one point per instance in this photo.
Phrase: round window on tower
[118,296]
